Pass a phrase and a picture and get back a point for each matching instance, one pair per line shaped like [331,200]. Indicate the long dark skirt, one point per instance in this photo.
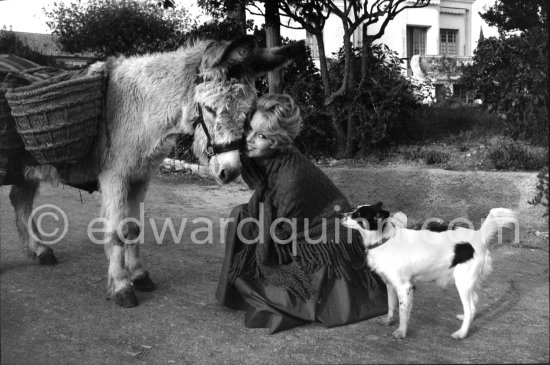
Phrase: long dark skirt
[337,302]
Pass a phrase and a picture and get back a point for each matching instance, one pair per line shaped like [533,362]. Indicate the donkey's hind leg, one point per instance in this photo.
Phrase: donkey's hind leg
[22,198]
[138,275]
[114,192]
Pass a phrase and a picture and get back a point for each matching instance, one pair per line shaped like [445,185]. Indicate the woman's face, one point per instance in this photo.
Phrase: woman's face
[258,143]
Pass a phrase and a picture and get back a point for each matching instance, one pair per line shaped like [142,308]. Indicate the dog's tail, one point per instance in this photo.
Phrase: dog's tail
[497,219]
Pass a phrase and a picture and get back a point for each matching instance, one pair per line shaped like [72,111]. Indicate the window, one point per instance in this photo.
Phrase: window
[447,42]
[311,42]
[416,44]
[416,41]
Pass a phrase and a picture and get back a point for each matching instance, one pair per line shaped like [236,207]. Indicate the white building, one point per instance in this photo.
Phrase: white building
[442,35]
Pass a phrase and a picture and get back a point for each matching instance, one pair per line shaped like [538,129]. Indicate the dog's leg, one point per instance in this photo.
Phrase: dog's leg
[468,296]
[460,317]
[405,295]
[392,301]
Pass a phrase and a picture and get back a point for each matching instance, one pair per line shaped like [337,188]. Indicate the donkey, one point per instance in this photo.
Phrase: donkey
[205,88]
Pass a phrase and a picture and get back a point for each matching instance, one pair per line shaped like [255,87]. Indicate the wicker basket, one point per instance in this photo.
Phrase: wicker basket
[58,118]
[10,141]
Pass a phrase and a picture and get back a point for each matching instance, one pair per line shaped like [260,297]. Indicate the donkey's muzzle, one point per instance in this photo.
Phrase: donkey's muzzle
[228,175]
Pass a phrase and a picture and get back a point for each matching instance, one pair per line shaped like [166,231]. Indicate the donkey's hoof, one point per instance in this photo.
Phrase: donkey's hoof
[144,283]
[126,298]
[47,257]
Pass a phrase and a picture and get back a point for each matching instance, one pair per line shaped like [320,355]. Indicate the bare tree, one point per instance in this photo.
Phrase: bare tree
[273,39]
[355,15]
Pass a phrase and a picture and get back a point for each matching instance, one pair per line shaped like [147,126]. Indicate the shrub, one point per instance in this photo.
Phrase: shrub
[434,156]
[382,101]
[118,27]
[317,136]
[509,74]
[422,89]
[541,196]
[182,150]
[507,154]
[429,154]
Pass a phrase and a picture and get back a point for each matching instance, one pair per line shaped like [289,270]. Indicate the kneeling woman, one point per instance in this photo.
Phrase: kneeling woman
[290,262]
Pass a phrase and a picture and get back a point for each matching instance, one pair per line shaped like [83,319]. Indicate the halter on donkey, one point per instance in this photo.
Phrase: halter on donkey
[150,100]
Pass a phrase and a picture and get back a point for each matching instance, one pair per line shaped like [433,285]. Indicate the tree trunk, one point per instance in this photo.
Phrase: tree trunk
[364,61]
[349,124]
[343,91]
[238,15]
[347,85]
[323,63]
[338,127]
[273,39]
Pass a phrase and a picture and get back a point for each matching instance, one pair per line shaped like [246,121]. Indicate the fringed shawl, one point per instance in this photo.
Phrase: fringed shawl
[292,187]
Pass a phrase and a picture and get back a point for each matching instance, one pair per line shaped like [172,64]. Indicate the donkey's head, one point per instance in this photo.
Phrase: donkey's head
[226,96]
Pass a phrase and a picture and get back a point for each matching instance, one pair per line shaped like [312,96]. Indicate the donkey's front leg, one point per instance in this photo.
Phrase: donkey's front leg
[22,197]
[114,205]
[134,233]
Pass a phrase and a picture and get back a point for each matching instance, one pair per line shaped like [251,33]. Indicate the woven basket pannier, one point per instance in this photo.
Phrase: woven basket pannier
[58,118]
[10,142]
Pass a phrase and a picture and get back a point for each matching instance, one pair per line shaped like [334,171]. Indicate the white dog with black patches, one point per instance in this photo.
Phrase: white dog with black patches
[404,256]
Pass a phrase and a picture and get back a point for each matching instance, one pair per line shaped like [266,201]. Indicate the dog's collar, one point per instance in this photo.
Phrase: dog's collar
[379,243]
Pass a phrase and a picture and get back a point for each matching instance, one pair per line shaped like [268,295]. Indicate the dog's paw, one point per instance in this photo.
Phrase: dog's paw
[400,334]
[460,317]
[385,321]
[459,335]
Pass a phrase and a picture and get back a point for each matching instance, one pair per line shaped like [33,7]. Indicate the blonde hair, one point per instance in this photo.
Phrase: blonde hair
[282,119]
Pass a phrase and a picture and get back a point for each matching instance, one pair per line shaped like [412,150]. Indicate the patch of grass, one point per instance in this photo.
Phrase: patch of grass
[508,154]
[440,122]
[463,137]
[429,154]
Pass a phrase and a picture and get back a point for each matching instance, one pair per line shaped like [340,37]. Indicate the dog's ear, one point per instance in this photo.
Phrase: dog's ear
[382,214]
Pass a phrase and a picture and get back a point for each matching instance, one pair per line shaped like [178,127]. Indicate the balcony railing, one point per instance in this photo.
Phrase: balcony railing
[438,68]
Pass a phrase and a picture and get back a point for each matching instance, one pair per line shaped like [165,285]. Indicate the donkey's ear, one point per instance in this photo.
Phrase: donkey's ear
[267,59]
[235,52]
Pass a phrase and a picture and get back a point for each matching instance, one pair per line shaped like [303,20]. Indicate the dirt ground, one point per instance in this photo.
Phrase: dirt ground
[59,314]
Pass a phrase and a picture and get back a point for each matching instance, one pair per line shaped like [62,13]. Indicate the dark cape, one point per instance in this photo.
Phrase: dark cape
[306,268]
